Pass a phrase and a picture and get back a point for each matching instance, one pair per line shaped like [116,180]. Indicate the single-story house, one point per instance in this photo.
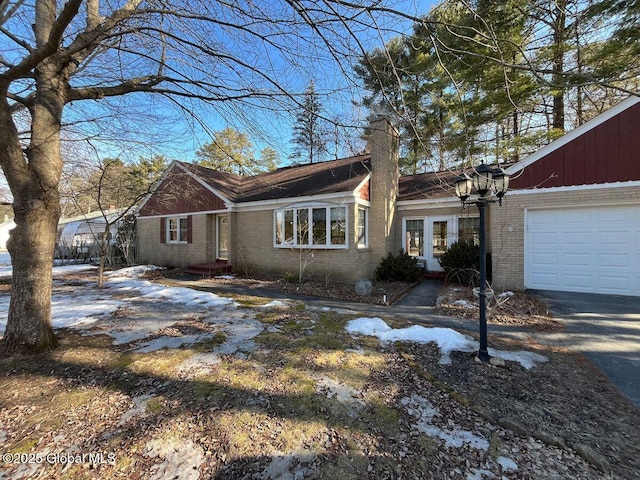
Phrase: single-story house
[570,221]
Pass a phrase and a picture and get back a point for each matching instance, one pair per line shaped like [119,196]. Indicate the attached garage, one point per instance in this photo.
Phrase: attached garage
[588,249]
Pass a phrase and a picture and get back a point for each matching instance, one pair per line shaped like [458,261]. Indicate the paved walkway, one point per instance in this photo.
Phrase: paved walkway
[605,328]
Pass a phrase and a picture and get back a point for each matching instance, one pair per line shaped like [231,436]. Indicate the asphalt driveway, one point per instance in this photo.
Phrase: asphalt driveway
[606,328]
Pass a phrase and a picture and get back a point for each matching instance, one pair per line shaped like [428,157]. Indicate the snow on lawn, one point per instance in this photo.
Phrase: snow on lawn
[447,339]
[71,308]
[151,306]
[128,279]
[6,270]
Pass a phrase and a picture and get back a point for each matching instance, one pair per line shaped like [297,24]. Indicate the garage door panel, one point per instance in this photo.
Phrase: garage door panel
[577,259]
[615,238]
[577,281]
[577,239]
[619,261]
[615,285]
[545,240]
[580,218]
[613,216]
[545,280]
[584,250]
[544,218]
[545,259]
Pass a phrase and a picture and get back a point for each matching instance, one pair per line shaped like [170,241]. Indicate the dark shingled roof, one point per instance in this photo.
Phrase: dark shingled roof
[334,176]
[427,185]
[227,184]
[433,184]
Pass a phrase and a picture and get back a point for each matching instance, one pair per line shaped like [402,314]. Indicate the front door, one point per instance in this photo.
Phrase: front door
[440,236]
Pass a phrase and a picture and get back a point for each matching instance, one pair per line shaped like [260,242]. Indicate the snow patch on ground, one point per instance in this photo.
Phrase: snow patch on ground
[338,391]
[139,408]
[274,304]
[480,474]
[424,413]
[180,458]
[527,359]
[507,464]
[447,339]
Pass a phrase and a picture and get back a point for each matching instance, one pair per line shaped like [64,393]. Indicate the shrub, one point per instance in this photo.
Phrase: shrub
[399,268]
[461,262]
[290,277]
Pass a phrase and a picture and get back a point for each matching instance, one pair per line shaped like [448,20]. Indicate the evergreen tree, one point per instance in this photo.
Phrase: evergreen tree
[148,170]
[231,151]
[309,135]
[490,80]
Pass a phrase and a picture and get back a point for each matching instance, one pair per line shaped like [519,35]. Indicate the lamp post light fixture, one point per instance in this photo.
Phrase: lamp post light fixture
[485,185]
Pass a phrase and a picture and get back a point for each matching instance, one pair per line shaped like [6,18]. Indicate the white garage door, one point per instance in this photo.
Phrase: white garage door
[584,250]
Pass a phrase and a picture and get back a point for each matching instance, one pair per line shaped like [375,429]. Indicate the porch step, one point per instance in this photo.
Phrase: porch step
[434,275]
[208,269]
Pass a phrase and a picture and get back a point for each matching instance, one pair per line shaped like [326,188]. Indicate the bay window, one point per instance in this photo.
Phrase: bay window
[311,227]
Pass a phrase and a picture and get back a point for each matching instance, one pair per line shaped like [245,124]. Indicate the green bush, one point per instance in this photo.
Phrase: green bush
[461,263]
[399,268]
[290,277]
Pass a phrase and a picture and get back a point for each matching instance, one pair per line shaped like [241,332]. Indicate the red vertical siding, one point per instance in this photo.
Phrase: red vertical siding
[624,153]
[610,167]
[580,152]
[634,137]
[590,140]
[607,153]
[180,193]
[569,165]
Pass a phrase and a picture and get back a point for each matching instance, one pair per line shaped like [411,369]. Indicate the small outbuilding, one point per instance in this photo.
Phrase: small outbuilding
[81,237]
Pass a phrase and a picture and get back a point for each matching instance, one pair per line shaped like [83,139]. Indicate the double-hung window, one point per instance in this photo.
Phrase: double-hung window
[311,227]
[177,230]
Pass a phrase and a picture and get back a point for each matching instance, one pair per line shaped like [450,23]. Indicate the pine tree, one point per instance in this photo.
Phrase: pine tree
[309,135]
[231,151]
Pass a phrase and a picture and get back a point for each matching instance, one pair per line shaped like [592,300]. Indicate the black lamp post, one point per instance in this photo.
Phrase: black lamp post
[487,185]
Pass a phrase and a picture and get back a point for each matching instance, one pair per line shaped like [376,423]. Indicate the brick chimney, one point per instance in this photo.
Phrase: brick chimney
[384,148]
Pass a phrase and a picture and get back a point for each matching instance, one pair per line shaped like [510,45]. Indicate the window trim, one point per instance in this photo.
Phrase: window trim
[423,219]
[361,210]
[295,209]
[455,235]
[179,230]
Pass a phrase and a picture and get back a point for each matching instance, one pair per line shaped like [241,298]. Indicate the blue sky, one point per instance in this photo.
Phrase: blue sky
[153,124]
[265,128]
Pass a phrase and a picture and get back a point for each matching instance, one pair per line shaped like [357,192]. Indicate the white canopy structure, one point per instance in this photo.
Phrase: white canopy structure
[82,236]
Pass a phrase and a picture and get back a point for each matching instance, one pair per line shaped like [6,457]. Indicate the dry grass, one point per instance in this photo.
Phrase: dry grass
[308,400]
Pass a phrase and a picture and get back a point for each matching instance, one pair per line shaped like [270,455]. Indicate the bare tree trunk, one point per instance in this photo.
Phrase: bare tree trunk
[104,251]
[34,176]
[559,38]
[31,246]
